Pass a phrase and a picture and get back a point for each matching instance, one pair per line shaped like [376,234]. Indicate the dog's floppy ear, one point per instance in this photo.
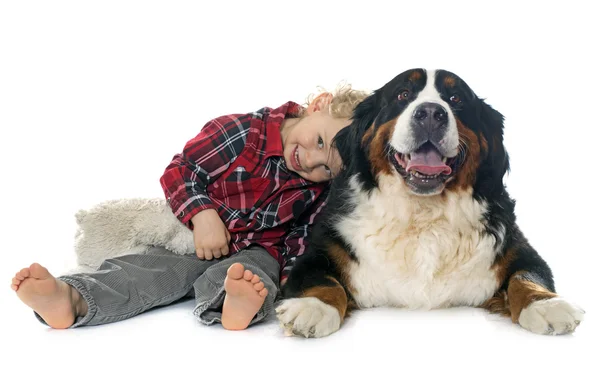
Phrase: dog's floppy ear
[365,113]
[496,163]
[348,140]
[342,141]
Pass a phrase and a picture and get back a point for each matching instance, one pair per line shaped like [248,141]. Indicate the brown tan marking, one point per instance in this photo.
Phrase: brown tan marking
[500,303]
[469,144]
[368,136]
[341,259]
[502,263]
[522,292]
[380,162]
[497,304]
[331,295]
[449,81]
[415,76]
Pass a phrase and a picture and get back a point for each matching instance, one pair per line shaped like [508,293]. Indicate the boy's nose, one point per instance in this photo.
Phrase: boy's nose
[311,158]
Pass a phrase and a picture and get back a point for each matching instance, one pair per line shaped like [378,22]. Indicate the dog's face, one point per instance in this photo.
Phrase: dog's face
[430,128]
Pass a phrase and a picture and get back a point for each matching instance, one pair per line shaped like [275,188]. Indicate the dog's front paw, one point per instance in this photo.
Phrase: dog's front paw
[552,316]
[308,317]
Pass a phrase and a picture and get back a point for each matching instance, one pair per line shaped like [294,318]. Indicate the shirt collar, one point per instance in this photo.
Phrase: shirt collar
[274,120]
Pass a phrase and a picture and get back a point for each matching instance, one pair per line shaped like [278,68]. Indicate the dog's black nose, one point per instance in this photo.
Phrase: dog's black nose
[430,112]
[430,120]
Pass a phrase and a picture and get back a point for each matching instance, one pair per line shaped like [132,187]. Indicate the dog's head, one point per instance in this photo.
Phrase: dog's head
[431,129]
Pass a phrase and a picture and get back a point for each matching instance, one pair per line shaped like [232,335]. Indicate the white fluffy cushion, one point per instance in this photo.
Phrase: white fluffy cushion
[127,226]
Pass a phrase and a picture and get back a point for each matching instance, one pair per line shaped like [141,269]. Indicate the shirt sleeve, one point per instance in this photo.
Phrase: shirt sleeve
[296,240]
[204,159]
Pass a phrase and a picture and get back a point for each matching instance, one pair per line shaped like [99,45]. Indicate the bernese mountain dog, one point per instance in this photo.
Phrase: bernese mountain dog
[420,218]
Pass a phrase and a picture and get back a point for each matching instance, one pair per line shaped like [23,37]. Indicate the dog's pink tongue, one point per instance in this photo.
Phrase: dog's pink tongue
[428,161]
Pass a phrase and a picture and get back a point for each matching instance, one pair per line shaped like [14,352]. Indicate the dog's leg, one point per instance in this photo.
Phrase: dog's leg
[315,301]
[532,300]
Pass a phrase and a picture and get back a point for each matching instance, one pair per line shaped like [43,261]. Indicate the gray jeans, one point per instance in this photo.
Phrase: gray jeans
[129,285]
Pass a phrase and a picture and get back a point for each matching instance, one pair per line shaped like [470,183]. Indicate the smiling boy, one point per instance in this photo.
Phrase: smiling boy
[250,186]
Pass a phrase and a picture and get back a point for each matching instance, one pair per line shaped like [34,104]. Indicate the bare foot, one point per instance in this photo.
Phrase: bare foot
[54,300]
[245,296]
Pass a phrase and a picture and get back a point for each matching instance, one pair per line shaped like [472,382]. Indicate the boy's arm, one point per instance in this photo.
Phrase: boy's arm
[204,158]
[295,243]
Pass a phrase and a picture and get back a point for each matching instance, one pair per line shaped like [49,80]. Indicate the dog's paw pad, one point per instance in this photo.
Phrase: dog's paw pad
[308,317]
[552,316]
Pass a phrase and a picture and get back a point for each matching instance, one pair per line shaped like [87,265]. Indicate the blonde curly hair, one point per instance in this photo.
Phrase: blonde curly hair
[345,99]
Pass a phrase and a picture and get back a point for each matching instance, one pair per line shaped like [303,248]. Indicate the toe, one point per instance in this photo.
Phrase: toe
[259,286]
[255,279]
[235,271]
[24,273]
[248,275]
[263,293]
[38,272]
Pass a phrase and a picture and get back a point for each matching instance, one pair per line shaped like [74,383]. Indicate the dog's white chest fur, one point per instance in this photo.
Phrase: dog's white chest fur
[418,252]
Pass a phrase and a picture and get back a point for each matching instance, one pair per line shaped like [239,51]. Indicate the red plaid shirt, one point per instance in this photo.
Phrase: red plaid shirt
[236,166]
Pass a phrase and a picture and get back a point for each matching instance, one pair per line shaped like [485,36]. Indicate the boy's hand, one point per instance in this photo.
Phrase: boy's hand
[211,237]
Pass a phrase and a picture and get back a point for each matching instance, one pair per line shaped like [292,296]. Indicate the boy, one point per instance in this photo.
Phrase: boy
[250,187]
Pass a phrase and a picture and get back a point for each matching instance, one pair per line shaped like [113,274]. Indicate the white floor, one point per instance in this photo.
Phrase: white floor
[95,98]
[381,348]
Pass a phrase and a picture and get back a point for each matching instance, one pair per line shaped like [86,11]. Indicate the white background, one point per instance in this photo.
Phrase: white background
[96,97]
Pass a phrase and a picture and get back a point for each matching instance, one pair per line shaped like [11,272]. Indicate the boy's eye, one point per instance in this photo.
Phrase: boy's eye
[320,142]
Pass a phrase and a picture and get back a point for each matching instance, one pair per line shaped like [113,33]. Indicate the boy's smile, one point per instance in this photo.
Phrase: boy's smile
[295,160]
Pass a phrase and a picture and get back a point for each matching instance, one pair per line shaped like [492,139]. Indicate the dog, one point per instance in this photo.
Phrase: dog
[419,217]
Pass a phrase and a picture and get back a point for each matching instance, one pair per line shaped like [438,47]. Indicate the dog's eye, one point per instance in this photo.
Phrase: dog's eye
[404,95]
[455,99]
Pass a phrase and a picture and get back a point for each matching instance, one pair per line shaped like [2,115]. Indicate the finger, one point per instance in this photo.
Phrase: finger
[228,235]
[208,255]
[225,250]
[216,253]
[200,253]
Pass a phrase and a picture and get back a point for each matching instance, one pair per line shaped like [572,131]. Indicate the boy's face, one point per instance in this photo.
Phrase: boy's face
[306,146]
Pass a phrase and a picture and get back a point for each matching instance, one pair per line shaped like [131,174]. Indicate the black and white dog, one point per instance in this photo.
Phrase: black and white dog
[420,218]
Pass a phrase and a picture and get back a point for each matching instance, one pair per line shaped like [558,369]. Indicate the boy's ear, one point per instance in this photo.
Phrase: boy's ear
[320,102]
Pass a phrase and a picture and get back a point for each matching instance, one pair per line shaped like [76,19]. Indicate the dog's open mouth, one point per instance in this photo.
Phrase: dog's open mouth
[425,170]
